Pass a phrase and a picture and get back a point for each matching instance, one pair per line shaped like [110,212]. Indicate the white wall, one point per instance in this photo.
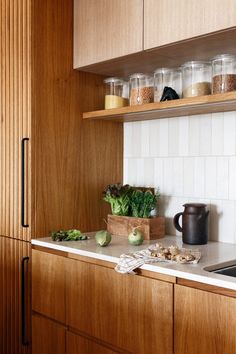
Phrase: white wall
[191,159]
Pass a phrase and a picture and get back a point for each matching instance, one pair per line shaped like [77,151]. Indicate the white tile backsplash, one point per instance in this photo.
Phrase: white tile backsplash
[191,159]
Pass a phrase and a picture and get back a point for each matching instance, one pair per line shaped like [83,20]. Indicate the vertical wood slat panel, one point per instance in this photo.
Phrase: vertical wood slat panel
[15,113]
[11,254]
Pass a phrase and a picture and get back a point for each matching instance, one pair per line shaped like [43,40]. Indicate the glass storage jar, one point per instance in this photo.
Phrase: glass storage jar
[141,89]
[167,77]
[196,78]
[116,95]
[223,73]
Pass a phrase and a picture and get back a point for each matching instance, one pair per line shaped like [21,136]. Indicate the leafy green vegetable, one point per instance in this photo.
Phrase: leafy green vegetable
[119,198]
[69,235]
[143,202]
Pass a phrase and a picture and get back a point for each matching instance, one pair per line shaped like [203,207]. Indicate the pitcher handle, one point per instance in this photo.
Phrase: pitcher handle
[176,222]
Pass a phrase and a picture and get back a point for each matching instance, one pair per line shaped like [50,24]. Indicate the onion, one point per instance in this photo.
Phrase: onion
[135,237]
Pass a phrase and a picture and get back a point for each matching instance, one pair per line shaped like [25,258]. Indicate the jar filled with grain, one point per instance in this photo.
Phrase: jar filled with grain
[166,77]
[116,93]
[196,78]
[141,89]
[224,73]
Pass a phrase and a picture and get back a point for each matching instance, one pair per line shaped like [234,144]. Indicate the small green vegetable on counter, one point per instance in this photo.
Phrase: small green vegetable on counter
[68,235]
[135,238]
[103,238]
[119,198]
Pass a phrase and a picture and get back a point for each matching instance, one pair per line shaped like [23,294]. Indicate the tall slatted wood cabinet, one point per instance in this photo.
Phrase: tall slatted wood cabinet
[53,166]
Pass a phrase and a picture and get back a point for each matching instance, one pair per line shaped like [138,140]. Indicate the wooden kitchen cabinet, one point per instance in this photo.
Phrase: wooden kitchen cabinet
[15,307]
[204,322]
[105,30]
[75,344]
[48,337]
[133,313]
[168,21]
[48,287]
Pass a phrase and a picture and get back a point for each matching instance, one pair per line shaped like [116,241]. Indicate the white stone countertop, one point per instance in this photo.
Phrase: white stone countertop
[212,254]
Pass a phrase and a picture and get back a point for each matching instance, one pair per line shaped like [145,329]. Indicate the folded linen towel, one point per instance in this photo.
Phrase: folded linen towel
[131,261]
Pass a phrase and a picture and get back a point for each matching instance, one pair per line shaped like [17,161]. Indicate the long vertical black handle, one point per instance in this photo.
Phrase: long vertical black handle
[24,299]
[23,182]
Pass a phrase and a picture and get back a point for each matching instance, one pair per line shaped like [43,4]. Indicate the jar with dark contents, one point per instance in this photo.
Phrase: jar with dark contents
[224,73]
[141,89]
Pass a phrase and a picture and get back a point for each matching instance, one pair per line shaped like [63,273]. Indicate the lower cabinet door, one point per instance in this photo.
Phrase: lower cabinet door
[48,337]
[204,322]
[132,313]
[15,274]
[76,344]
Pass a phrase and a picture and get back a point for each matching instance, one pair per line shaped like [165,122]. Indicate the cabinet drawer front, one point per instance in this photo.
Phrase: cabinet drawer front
[129,312]
[48,285]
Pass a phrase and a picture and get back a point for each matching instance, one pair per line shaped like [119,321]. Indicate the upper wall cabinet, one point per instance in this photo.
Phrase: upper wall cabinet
[168,21]
[105,29]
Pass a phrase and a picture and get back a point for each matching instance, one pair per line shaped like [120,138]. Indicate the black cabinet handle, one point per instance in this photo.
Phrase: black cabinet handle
[23,182]
[24,299]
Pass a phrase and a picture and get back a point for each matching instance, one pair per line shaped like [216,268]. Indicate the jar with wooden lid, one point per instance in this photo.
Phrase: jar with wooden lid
[224,73]
[167,77]
[196,78]
[141,89]
[116,95]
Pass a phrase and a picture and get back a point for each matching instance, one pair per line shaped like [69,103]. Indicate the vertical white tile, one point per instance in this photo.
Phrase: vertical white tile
[154,136]
[199,177]
[144,139]
[232,178]
[210,177]
[158,174]
[178,177]
[173,137]
[168,176]
[214,221]
[188,168]
[229,133]
[140,180]
[128,140]
[125,171]
[217,134]
[131,176]
[226,214]
[194,135]
[148,172]
[164,135]
[205,135]
[222,178]
[183,136]
[136,139]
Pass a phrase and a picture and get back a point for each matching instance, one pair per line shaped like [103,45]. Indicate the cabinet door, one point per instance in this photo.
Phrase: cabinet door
[48,285]
[168,21]
[204,322]
[48,337]
[130,312]
[76,344]
[15,333]
[105,29]
[15,117]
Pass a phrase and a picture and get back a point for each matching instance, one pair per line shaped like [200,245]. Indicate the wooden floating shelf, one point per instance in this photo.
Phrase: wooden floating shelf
[183,107]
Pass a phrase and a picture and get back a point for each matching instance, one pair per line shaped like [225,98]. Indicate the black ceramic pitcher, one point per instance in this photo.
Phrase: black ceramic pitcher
[194,223]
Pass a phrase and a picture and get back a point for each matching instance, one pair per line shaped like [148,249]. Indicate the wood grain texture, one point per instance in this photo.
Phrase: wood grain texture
[48,285]
[118,304]
[167,21]
[47,336]
[151,228]
[15,85]
[73,160]
[171,55]
[204,322]
[175,108]
[11,255]
[76,344]
[105,29]
[207,287]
